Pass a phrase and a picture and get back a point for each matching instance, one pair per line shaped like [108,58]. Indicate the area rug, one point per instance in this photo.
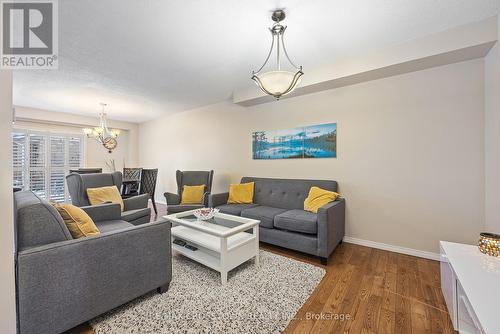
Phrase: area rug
[254,300]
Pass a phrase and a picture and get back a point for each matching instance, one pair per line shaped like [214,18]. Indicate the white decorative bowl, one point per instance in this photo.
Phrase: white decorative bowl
[205,213]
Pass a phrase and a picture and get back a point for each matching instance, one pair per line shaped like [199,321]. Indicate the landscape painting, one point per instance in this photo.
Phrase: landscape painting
[314,141]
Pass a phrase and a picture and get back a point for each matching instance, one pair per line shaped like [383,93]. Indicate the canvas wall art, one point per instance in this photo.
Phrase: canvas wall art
[314,141]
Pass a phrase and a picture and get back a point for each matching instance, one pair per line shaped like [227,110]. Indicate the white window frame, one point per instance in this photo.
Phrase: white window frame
[47,156]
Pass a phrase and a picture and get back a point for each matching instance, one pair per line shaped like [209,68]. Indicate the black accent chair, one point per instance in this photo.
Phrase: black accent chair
[131,182]
[189,178]
[148,185]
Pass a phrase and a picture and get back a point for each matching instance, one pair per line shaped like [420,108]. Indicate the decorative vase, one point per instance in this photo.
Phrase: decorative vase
[489,243]
[205,213]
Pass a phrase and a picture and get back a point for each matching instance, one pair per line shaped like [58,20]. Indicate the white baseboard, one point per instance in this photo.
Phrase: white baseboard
[392,248]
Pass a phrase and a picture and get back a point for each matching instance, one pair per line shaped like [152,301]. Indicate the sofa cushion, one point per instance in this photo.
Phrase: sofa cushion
[193,194]
[263,213]
[285,193]
[77,221]
[112,225]
[235,209]
[241,193]
[131,215]
[307,243]
[297,221]
[104,195]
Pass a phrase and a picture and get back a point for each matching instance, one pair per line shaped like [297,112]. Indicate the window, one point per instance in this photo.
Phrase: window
[41,162]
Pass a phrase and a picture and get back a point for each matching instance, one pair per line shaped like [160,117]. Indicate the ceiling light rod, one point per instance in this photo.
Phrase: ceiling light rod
[278,82]
[103,123]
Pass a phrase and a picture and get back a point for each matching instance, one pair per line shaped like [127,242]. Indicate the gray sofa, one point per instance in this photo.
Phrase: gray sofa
[279,204]
[136,209]
[62,282]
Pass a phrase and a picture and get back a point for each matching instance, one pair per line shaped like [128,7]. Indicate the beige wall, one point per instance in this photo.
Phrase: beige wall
[95,154]
[492,140]
[410,151]
[7,290]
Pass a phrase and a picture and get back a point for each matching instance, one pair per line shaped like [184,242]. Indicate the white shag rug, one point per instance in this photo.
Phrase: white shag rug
[254,300]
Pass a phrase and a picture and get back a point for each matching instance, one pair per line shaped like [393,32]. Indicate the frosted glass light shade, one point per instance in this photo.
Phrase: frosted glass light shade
[87,131]
[115,133]
[277,83]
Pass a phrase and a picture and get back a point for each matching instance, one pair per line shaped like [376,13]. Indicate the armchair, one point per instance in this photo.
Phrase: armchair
[62,282]
[135,210]
[189,178]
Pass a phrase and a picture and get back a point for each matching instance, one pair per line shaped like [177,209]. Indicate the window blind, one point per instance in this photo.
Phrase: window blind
[57,168]
[19,159]
[37,165]
[41,162]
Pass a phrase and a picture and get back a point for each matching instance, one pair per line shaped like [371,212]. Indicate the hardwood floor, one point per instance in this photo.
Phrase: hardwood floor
[378,291]
[366,290]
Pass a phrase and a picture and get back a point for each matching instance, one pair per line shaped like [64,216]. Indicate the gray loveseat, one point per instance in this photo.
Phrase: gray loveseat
[62,282]
[136,209]
[279,204]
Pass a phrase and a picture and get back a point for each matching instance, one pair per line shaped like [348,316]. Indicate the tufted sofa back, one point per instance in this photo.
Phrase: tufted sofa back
[285,193]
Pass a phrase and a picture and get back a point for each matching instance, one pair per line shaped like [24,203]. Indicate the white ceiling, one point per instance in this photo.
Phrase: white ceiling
[150,58]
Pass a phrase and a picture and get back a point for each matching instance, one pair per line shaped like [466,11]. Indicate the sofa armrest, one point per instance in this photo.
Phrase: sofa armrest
[172,199]
[215,200]
[102,212]
[82,278]
[331,226]
[136,202]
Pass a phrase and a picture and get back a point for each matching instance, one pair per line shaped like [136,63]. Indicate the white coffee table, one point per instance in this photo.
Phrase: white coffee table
[224,242]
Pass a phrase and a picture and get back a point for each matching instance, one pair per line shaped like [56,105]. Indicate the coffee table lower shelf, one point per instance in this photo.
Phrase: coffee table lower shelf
[218,253]
[200,256]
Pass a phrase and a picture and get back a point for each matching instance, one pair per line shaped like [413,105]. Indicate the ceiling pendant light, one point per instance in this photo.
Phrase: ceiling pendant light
[102,134]
[278,82]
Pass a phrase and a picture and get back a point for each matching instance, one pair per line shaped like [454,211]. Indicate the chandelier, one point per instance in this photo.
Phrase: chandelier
[102,134]
[278,82]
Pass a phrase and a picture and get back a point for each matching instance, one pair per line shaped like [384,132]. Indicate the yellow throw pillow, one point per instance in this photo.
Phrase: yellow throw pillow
[79,223]
[241,193]
[317,198]
[104,194]
[193,194]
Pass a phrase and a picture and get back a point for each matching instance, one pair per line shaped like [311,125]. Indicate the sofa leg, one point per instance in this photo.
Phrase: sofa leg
[324,260]
[163,288]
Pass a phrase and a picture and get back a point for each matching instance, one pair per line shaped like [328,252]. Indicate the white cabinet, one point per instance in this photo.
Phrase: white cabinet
[467,321]
[470,282]
[449,288]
